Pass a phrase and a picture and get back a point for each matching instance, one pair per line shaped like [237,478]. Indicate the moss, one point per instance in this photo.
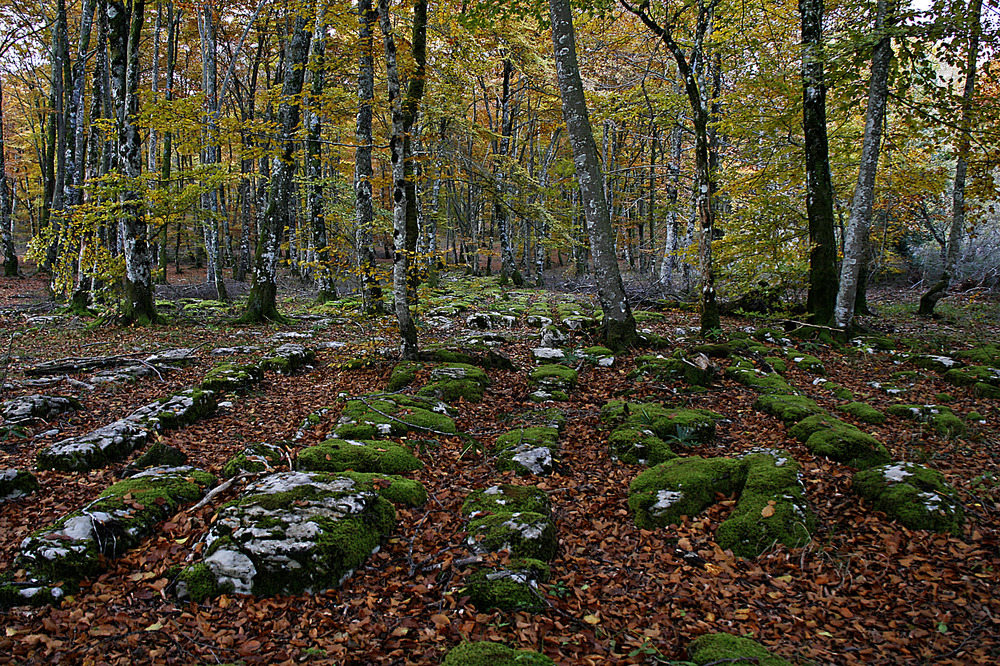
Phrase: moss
[254,458]
[550,418]
[684,425]
[379,415]
[16,483]
[984,355]
[452,390]
[338,455]
[493,654]
[507,498]
[554,375]
[535,436]
[504,589]
[713,350]
[726,648]
[809,364]
[483,358]
[546,395]
[157,455]
[944,397]
[863,412]
[200,583]
[681,487]
[523,533]
[845,443]
[635,445]
[788,408]
[811,424]
[758,381]
[287,358]
[394,488]
[403,375]
[838,391]
[663,369]
[916,496]
[973,375]
[231,377]
[984,390]
[777,364]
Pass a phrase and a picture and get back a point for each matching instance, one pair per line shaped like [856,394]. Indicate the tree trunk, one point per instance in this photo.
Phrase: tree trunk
[6,206]
[173,25]
[326,288]
[262,302]
[819,188]
[618,328]
[211,150]
[507,269]
[929,300]
[404,211]
[364,215]
[864,191]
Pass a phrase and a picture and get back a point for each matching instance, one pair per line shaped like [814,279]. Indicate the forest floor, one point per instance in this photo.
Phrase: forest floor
[864,589]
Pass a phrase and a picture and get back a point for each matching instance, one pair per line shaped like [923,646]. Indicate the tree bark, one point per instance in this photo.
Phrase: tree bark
[326,288]
[6,206]
[363,212]
[929,300]
[618,328]
[819,187]
[501,148]
[864,190]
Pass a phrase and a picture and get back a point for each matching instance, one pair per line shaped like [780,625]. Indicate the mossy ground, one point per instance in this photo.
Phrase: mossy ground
[493,654]
[729,649]
[788,408]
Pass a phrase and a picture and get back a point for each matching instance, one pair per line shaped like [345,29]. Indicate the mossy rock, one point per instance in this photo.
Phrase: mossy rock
[687,426]
[777,364]
[256,458]
[944,421]
[523,533]
[77,546]
[232,377]
[726,648]
[483,358]
[788,408]
[176,411]
[554,376]
[37,406]
[916,496]
[770,508]
[340,455]
[809,363]
[749,345]
[493,654]
[403,375]
[505,589]
[638,446]
[838,391]
[935,363]
[863,412]
[535,435]
[507,498]
[602,357]
[452,381]
[660,495]
[289,533]
[647,317]
[392,487]
[380,415]
[984,355]
[288,358]
[528,451]
[16,483]
[972,375]
[157,455]
[827,436]
[669,368]
[984,390]
[108,444]
[713,350]
[760,381]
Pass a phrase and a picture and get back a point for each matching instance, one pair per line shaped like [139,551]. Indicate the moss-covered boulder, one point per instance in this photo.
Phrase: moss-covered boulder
[808,363]
[770,507]
[383,415]
[677,367]
[729,649]
[522,533]
[638,446]
[493,654]
[935,363]
[255,459]
[232,377]
[175,411]
[915,495]
[454,381]
[553,381]
[941,419]
[481,356]
[507,498]
[863,412]
[506,588]
[289,533]
[37,406]
[340,455]
[110,443]
[288,358]
[827,436]
[788,408]
[55,559]
[16,483]
[759,380]
[392,487]
[529,450]
[983,355]
[973,375]
[403,374]
[685,426]
[157,455]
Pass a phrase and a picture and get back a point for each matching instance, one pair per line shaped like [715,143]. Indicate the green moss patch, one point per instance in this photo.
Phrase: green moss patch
[504,589]
[686,426]
[809,363]
[770,507]
[157,455]
[482,357]
[658,368]
[392,487]
[16,483]
[554,375]
[935,363]
[77,546]
[944,421]
[493,654]
[915,495]
[529,450]
[453,381]
[827,436]
[863,412]
[381,415]
[507,498]
[288,358]
[289,533]
[638,446]
[984,355]
[726,648]
[232,377]
[339,455]
[522,533]
[788,408]
[403,374]
[759,380]
[972,375]
[256,458]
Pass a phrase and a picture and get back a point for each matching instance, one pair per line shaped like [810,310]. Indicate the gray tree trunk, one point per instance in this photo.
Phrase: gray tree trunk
[864,190]
[210,152]
[363,212]
[6,207]
[618,324]
[326,289]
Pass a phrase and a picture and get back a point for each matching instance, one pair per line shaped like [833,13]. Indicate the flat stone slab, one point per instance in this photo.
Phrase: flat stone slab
[107,444]
[232,377]
[77,546]
[126,373]
[16,483]
[175,411]
[289,533]
[37,406]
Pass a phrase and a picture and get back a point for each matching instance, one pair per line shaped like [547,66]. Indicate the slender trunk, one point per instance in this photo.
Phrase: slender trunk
[210,154]
[618,325]
[502,148]
[173,25]
[364,215]
[6,206]
[929,300]
[326,288]
[864,190]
